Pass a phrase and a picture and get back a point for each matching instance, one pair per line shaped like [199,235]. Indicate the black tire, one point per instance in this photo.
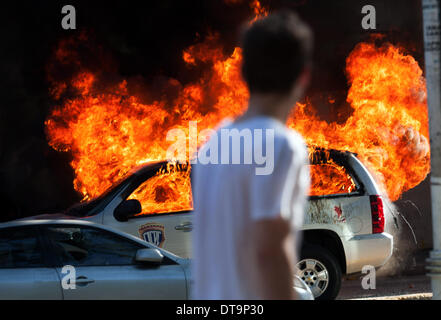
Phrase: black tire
[331,264]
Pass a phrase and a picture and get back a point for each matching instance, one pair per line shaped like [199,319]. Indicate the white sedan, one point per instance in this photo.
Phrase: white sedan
[37,259]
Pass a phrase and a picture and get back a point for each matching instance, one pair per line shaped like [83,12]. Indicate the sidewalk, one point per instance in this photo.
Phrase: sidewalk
[417,296]
[388,288]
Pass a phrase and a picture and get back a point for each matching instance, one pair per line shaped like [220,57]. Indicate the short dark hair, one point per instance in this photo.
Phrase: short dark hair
[276,49]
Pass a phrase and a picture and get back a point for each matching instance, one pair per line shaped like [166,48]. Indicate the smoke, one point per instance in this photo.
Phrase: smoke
[405,242]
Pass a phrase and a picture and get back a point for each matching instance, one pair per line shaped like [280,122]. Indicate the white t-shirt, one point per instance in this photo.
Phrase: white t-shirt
[229,196]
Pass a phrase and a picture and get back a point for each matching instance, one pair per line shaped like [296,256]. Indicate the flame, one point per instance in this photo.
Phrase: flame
[167,191]
[108,130]
[258,10]
[388,128]
[330,178]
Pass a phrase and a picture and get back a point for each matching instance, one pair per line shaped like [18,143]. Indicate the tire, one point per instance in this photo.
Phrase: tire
[317,263]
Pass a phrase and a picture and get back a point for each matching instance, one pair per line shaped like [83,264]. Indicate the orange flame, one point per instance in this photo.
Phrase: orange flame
[167,191]
[330,178]
[109,131]
[388,128]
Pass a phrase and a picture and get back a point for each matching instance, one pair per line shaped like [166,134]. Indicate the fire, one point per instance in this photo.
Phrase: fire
[109,130]
[330,178]
[258,10]
[388,128]
[327,176]
[167,191]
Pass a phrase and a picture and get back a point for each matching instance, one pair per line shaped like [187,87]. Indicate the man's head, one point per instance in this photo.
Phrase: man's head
[277,54]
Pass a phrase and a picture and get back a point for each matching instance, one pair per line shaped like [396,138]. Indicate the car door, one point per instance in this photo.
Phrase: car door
[177,231]
[24,269]
[170,231]
[102,266]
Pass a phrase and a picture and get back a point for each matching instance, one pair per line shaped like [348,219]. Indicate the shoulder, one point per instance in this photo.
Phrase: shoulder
[292,142]
[297,143]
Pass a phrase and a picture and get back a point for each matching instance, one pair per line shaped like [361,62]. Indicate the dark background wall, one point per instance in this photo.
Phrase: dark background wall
[145,40]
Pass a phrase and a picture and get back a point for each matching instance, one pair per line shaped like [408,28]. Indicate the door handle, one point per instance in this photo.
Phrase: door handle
[83,281]
[186,227]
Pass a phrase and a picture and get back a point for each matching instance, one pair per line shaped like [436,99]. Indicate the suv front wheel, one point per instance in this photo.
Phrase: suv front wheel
[321,271]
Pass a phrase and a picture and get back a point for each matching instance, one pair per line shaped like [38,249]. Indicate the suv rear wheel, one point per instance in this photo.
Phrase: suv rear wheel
[321,271]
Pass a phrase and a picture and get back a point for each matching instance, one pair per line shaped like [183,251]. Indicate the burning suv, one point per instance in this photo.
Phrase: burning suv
[343,225]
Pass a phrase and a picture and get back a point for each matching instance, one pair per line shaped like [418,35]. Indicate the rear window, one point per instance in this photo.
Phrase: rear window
[330,178]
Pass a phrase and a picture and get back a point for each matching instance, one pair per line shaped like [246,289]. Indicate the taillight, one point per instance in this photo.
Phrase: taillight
[377,214]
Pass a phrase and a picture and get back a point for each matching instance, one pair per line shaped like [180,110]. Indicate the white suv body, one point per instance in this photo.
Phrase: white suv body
[340,231]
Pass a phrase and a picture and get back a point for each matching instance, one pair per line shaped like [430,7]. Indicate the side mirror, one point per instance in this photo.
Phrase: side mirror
[127,209]
[302,289]
[149,255]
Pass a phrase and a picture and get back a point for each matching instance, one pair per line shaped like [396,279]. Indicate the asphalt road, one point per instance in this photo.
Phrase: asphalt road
[387,288]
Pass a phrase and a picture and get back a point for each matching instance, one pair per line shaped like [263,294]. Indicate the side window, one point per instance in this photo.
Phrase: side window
[165,192]
[20,248]
[330,178]
[84,246]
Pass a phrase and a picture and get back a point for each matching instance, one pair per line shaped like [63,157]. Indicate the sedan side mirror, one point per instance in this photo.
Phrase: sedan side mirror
[127,209]
[149,255]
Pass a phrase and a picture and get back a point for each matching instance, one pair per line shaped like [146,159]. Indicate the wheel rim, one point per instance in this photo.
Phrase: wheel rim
[314,274]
